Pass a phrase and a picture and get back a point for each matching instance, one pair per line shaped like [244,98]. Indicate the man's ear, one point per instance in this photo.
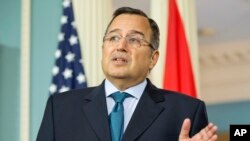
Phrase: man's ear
[154,59]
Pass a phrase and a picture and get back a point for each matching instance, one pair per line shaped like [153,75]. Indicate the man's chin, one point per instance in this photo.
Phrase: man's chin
[118,75]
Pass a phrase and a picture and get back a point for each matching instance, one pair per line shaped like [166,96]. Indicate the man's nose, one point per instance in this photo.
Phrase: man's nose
[123,43]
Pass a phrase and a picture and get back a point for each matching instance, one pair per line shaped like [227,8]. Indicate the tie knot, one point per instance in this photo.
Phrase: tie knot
[119,96]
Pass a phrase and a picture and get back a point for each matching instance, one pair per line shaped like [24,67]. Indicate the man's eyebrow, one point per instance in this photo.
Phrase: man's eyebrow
[114,30]
[130,32]
[136,32]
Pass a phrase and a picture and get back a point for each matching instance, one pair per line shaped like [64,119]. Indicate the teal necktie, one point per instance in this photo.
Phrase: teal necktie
[116,117]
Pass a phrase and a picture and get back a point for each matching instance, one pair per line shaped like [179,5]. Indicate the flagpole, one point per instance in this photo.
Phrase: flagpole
[25,73]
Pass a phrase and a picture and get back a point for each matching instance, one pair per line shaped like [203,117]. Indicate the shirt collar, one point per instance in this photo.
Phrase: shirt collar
[136,91]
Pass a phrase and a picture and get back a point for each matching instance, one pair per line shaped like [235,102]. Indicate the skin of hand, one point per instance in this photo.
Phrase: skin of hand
[208,133]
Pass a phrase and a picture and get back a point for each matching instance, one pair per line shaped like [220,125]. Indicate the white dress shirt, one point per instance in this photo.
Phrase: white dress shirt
[129,103]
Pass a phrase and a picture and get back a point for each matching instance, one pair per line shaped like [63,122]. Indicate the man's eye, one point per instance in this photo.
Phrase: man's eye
[114,38]
[134,40]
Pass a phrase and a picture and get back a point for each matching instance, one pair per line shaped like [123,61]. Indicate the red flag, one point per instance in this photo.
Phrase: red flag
[178,74]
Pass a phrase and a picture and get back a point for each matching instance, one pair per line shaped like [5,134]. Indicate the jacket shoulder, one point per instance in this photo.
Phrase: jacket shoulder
[73,94]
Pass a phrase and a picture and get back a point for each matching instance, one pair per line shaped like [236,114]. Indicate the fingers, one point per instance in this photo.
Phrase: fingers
[212,132]
[207,134]
[185,129]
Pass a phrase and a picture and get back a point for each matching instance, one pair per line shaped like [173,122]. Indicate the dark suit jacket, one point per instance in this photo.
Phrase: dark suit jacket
[81,115]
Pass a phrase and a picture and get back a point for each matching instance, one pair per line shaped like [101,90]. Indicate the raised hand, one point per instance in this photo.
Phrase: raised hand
[206,134]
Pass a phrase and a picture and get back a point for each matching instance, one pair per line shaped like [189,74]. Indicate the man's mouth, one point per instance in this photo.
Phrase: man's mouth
[120,59]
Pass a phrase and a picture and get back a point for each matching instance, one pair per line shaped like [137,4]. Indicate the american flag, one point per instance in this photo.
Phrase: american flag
[68,71]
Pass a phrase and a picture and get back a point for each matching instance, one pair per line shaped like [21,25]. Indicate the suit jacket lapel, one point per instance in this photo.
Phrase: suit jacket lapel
[95,110]
[145,113]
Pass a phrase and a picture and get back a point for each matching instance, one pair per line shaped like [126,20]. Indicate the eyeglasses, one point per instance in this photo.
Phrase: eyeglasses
[133,40]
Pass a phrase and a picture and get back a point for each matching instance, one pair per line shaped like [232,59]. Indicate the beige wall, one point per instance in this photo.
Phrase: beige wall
[225,71]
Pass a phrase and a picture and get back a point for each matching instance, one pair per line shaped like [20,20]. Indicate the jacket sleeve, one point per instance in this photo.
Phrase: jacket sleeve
[46,131]
[200,119]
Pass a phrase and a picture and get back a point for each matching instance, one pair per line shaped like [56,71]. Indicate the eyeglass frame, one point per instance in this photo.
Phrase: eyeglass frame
[107,37]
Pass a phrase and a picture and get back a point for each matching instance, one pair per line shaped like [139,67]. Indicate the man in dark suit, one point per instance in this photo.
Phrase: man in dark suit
[129,53]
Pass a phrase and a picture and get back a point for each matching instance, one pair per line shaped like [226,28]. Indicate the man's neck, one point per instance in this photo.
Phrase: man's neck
[123,84]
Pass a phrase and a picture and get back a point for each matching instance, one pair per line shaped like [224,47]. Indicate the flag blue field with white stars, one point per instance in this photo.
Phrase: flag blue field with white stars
[68,71]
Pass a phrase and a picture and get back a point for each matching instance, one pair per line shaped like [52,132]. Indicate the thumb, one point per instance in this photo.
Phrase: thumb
[184,134]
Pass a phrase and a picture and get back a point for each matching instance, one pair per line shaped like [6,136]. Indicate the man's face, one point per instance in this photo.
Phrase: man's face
[121,59]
